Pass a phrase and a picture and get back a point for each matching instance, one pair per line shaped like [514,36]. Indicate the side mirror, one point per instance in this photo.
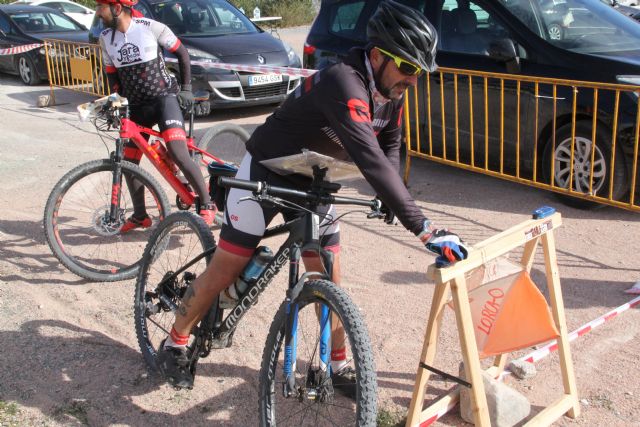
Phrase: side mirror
[504,50]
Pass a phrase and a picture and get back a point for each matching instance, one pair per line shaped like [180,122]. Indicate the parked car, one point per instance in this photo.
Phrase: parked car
[23,25]
[621,7]
[216,31]
[512,36]
[75,11]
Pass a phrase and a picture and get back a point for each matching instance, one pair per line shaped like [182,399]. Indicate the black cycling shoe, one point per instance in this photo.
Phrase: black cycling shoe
[174,363]
[344,381]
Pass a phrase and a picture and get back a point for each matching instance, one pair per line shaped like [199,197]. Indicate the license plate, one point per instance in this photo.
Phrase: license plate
[264,79]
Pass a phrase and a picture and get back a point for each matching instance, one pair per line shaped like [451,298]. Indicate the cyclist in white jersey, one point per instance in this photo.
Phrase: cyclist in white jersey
[132,55]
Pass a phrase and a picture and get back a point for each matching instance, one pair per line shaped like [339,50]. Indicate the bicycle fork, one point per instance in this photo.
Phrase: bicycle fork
[315,379]
[116,184]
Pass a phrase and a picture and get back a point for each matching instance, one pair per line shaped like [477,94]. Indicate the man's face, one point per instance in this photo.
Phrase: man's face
[393,81]
[104,13]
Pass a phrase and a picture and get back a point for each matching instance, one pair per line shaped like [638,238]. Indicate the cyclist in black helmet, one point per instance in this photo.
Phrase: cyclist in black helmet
[351,111]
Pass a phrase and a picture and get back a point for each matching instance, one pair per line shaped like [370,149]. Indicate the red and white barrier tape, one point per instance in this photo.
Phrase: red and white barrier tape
[20,49]
[263,69]
[543,352]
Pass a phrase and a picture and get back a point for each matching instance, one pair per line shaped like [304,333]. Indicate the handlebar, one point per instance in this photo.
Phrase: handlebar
[260,187]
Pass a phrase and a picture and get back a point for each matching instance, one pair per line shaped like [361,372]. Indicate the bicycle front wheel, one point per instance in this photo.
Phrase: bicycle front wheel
[315,399]
[79,228]
[180,238]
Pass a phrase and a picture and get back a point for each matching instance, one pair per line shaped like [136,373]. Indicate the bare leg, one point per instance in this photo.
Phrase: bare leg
[221,272]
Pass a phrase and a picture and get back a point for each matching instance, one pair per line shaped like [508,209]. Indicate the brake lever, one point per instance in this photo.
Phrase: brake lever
[376,211]
[375,214]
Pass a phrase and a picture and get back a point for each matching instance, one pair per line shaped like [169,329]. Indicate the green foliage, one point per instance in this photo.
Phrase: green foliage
[293,12]
[9,412]
[390,418]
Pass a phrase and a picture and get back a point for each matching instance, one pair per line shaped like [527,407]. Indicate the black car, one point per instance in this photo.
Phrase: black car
[22,25]
[216,31]
[512,36]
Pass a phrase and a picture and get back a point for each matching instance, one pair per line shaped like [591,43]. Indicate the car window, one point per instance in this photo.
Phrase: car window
[5,26]
[72,8]
[584,26]
[344,18]
[61,23]
[143,9]
[202,18]
[31,22]
[40,22]
[53,5]
[466,27]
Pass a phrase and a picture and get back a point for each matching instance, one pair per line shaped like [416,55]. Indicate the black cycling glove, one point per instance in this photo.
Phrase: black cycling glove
[185,98]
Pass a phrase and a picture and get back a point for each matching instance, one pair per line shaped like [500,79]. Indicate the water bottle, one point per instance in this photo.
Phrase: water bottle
[241,10]
[256,13]
[261,257]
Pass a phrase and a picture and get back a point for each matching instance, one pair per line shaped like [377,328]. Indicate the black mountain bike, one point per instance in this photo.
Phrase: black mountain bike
[296,379]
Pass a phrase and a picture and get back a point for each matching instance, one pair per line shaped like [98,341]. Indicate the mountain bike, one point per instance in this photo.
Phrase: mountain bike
[295,384]
[89,205]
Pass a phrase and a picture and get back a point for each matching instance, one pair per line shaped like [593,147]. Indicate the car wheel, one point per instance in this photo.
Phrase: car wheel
[555,32]
[582,165]
[27,70]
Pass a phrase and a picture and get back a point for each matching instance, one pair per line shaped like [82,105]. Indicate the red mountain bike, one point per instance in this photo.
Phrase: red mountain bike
[89,205]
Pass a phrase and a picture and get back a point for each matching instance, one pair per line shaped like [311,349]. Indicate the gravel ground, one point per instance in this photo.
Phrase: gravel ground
[69,353]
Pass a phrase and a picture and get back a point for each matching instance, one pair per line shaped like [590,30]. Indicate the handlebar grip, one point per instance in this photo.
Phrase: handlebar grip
[243,184]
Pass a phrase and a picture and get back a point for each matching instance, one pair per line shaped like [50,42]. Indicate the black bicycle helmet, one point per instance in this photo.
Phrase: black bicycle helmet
[405,32]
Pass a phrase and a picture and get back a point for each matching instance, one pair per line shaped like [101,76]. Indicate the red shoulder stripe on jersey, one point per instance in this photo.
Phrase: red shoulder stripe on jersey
[110,69]
[359,110]
[175,46]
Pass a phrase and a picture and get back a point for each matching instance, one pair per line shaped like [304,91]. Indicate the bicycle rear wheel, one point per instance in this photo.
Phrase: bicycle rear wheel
[178,239]
[315,401]
[78,227]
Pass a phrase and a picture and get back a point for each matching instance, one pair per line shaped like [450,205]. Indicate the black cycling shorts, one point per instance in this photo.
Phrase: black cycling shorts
[245,221]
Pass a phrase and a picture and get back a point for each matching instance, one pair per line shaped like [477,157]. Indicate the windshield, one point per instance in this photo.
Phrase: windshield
[43,22]
[202,18]
[584,26]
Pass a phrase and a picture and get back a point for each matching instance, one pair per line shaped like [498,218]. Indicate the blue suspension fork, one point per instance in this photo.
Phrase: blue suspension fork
[291,325]
[325,339]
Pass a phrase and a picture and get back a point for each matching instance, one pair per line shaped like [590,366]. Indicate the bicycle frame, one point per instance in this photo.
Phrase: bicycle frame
[304,234]
[157,155]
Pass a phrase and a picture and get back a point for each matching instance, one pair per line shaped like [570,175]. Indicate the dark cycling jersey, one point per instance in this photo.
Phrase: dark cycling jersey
[333,112]
[137,58]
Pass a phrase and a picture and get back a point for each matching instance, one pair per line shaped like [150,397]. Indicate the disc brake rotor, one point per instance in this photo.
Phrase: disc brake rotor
[103,225]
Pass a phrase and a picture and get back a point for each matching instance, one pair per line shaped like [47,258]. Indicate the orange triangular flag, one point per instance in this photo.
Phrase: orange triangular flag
[522,320]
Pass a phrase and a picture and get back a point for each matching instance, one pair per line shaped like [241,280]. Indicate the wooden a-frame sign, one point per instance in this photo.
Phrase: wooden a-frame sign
[528,233]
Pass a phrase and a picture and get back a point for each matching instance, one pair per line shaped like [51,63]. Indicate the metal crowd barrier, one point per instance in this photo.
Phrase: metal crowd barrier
[528,129]
[75,66]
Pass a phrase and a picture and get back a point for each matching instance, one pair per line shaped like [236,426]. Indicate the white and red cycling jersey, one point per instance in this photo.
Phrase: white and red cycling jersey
[136,56]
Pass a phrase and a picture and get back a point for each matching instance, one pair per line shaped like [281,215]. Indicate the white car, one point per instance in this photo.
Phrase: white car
[75,11]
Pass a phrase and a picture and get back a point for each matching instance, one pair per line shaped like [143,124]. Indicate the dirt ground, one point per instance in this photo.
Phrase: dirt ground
[68,350]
